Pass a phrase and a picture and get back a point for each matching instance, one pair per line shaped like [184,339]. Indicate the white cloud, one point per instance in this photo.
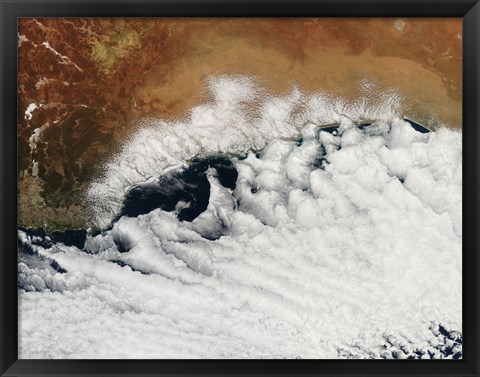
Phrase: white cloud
[311,262]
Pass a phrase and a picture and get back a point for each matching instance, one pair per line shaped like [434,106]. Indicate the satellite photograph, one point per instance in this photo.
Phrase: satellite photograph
[240,188]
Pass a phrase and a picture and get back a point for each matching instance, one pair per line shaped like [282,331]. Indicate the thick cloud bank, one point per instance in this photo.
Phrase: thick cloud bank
[341,245]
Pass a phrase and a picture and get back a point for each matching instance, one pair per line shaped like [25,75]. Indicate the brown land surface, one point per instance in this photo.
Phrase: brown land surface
[90,79]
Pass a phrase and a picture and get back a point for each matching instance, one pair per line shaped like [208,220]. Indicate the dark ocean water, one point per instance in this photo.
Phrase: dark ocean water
[189,186]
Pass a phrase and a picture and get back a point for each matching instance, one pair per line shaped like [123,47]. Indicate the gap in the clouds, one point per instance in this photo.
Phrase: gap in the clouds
[332,130]
[29,242]
[185,191]
[69,237]
[416,126]
[54,264]
[124,264]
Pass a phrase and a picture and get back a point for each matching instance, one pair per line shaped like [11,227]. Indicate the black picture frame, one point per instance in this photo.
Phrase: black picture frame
[12,9]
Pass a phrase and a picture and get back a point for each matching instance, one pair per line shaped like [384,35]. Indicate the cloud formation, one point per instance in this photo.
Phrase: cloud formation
[242,116]
[344,244]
